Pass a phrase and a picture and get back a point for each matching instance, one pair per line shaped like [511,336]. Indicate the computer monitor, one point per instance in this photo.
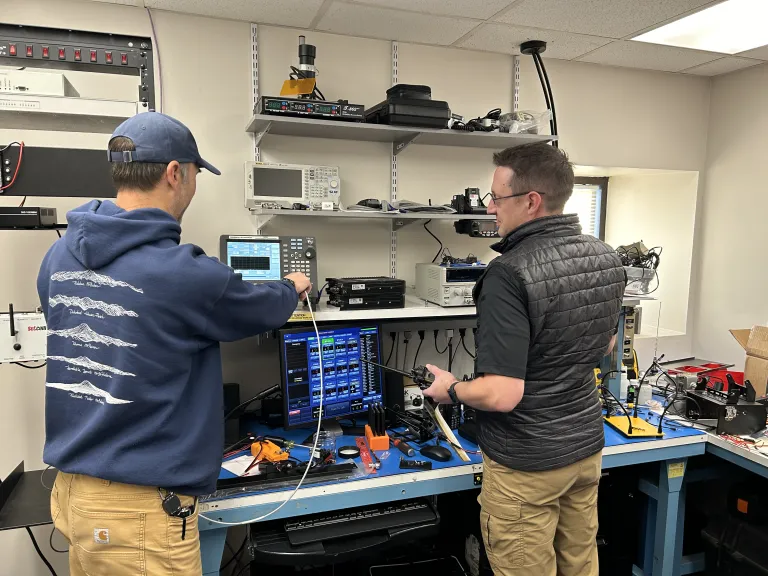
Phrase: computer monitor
[351,385]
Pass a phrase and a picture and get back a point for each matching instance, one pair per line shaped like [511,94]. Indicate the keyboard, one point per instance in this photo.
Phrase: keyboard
[357,521]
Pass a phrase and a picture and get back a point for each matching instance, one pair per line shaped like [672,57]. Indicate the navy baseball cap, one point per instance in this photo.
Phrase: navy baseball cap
[158,138]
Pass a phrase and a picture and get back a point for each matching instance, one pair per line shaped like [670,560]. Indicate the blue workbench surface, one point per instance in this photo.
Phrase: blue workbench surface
[672,429]
[390,459]
[391,484]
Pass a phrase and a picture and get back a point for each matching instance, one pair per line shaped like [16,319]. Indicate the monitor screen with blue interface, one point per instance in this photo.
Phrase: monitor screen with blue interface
[256,261]
[350,385]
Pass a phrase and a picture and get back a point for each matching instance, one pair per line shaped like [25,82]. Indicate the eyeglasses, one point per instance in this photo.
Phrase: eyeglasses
[497,198]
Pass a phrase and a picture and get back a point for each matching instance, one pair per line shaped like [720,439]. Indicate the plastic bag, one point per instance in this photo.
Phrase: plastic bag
[524,121]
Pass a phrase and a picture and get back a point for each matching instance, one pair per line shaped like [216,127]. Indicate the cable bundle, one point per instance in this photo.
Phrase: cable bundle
[638,256]
[641,265]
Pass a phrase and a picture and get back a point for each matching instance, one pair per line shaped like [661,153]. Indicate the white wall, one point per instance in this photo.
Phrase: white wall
[216,116]
[659,209]
[732,277]
[622,117]
[609,117]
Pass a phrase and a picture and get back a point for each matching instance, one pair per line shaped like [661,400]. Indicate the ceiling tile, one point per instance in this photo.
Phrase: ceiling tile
[609,18]
[372,22]
[631,54]
[138,3]
[468,8]
[722,66]
[298,13]
[506,39]
[758,53]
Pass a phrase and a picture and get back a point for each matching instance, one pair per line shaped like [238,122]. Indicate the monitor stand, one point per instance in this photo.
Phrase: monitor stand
[332,426]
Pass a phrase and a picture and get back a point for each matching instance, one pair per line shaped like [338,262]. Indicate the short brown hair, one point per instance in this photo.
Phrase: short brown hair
[134,175]
[542,168]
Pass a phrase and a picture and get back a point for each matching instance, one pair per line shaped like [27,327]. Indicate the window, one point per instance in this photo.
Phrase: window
[588,202]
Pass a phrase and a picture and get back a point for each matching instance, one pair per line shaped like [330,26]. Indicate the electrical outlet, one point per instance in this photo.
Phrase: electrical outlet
[414,398]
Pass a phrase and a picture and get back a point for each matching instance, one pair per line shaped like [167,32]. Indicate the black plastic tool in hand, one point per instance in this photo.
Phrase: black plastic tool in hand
[422,377]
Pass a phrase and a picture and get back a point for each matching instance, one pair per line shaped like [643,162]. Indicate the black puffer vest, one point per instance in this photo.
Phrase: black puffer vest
[575,284]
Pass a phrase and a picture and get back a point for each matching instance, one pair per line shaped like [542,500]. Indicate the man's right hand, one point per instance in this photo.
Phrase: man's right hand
[302,283]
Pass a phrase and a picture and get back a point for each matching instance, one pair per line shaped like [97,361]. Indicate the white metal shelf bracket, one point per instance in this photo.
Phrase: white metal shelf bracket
[398,223]
[516,80]
[260,221]
[401,145]
[393,181]
[255,88]
[257,140]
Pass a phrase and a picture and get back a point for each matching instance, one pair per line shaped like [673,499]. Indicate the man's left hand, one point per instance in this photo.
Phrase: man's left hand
[439,389]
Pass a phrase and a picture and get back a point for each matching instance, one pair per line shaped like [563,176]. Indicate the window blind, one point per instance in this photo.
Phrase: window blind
[585,202]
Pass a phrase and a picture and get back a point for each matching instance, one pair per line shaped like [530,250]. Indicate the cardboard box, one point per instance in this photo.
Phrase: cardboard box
[755,344]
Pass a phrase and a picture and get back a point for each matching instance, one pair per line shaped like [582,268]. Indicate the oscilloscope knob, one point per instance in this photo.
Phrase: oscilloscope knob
[310,253]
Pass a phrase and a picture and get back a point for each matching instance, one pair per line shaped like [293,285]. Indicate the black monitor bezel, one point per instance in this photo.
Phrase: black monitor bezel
[309,328]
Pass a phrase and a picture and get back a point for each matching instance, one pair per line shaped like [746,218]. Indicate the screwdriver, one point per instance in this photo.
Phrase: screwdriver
[403,446]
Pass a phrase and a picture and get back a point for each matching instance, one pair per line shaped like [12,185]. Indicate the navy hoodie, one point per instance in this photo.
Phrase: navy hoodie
[134,386]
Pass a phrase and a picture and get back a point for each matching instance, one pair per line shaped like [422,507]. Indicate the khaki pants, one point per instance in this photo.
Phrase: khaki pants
[122,530]
[541,523]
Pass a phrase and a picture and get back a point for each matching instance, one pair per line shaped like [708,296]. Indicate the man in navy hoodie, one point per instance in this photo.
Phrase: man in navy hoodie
[134,396]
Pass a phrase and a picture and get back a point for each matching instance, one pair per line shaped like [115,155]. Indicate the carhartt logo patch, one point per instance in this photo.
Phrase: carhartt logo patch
[101,535]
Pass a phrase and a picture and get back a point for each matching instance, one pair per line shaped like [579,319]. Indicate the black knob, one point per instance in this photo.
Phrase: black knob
[310,253]
[17,346]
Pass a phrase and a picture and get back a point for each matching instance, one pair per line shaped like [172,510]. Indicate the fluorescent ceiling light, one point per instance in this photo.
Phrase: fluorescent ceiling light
[730,27]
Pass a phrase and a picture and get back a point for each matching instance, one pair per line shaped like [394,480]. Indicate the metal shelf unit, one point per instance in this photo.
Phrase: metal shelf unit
[415,307]
[398,220]
[40,228]
[399,136]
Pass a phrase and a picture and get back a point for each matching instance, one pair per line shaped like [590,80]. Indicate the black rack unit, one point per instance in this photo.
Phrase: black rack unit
[103,53]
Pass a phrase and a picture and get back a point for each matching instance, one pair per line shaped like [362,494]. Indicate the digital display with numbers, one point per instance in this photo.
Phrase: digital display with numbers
[311,108]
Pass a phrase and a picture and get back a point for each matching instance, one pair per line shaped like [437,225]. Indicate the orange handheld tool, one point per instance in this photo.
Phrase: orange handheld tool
[269,451]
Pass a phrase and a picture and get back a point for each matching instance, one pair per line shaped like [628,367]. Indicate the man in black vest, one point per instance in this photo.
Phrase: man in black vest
[548,308]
